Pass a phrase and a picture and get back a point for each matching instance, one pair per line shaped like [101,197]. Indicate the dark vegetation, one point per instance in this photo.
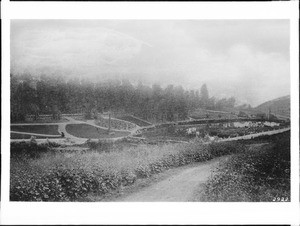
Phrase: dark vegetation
[166,133]
[57,95]
[109,146]
[21,151]
[262,173]
[39,174]
[89,131]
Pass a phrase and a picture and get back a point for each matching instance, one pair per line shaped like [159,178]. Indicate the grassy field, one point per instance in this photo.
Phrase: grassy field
[40,174]
[88,131]
[41,129]
[260,174]
[134,120]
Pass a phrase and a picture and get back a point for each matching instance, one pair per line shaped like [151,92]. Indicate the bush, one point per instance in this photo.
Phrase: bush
[27,150]
[101,146]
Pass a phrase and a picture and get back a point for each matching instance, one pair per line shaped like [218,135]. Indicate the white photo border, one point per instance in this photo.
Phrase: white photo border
[149,213]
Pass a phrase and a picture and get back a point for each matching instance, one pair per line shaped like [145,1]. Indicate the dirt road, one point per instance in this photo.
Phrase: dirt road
[180,187]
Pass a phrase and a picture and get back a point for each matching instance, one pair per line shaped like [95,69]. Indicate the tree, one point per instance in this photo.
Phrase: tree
[16,104]
[34,109]
[56,94]
[56,114]
[88,111]
[220,104]
[211,103]
[225,103]
[231,102]
[204,96]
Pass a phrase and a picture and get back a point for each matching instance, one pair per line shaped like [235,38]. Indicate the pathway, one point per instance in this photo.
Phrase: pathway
[180,187]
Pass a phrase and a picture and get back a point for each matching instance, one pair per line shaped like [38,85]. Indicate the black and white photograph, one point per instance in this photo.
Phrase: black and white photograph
[123,113]
[150,110]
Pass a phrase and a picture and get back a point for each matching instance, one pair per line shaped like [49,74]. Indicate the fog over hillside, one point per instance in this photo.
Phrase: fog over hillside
[248,59]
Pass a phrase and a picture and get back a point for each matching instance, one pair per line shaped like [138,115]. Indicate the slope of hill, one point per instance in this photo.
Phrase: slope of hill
[278,107]
[200,113]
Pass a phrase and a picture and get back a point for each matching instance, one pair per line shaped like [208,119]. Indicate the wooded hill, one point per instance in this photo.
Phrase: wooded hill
[55,95]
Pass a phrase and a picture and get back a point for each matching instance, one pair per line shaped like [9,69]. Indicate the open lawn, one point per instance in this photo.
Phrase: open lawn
[26,136]
[40,129]
[88,131]
[19,136]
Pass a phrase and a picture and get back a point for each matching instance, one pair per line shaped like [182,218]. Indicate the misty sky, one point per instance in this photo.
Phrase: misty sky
[248,59]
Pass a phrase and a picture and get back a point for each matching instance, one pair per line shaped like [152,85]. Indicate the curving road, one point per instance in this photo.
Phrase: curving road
[180,187]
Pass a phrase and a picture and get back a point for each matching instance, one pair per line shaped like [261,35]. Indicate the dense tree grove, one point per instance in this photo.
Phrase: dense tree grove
[56,95]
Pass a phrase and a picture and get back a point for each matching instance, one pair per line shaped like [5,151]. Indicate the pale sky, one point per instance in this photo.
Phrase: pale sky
[248,59]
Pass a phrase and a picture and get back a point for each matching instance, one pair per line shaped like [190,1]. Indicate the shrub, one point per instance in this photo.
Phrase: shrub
[28,149]
[101,146]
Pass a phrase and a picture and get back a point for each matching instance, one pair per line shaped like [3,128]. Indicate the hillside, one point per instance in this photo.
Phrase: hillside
[200,113]
[279,106]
